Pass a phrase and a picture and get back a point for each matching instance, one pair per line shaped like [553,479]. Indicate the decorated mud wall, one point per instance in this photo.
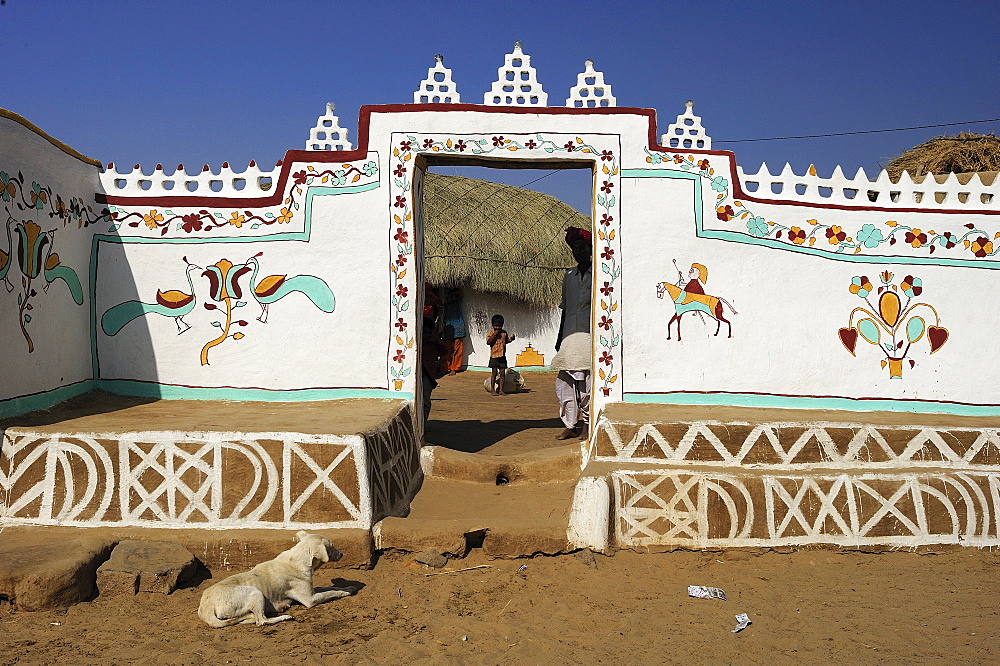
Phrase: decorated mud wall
[210,479]
[301,282]
[49,200]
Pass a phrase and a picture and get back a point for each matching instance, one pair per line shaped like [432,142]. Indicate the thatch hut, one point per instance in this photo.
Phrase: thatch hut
[965,153]
[503,247]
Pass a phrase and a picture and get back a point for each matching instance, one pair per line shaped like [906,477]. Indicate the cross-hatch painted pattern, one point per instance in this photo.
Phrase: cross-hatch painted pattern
[736,484]
[171,479]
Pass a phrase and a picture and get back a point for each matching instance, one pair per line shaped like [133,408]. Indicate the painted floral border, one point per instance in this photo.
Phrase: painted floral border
[42,198]
[977,242]
[200,223]
[401,227]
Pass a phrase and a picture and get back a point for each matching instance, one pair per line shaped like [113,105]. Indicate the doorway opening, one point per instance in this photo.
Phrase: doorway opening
[491,240]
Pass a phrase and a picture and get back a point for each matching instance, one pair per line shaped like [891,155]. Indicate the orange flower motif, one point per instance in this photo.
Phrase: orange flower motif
[981,247]
[835,235]
[861,286]
[797,235]
[152,219]
[236,219]
[285,217]
[915,237]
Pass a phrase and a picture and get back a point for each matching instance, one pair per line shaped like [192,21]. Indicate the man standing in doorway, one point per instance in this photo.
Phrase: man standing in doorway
[573,344]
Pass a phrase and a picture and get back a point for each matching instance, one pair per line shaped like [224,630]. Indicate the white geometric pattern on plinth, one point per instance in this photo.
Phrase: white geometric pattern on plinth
[516,84]
[590,90]
[328,134]
[438,86]
[687,132]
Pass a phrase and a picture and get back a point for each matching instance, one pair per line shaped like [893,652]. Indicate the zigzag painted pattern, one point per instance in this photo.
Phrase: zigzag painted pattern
[797,445]
[394,474]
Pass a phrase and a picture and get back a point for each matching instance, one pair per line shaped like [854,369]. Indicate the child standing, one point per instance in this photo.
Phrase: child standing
[497,340]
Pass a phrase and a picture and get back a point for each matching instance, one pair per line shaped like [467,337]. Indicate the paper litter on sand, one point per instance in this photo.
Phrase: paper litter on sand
[703,592]
[743,621]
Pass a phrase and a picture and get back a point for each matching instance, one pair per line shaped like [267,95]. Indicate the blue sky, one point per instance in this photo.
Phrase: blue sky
[205,82]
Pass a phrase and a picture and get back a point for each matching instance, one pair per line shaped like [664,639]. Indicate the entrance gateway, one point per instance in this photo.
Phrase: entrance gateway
[845,408]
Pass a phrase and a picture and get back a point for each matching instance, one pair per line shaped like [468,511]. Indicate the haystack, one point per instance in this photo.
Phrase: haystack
[497,239]
[965,153]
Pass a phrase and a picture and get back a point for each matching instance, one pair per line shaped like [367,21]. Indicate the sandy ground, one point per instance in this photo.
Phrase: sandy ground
[812,606]
[464,417]
[807,606]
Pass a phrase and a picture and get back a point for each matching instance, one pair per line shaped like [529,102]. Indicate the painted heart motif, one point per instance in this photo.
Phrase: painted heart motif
[936,336]
[849,338]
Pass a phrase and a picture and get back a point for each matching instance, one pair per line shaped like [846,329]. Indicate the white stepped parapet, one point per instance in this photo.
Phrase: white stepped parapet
[516,84]
[328,134]
[687,133]
[438,86]
[206,183]
[590,90]
[924,192]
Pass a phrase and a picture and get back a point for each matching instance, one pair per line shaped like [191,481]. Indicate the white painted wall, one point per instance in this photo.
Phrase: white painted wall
[537,327]
[792,299]
[299,347]
[59,327]
[785,338]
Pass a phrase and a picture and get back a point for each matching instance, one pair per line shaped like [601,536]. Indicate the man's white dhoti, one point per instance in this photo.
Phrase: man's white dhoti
[573,392]
[573,382]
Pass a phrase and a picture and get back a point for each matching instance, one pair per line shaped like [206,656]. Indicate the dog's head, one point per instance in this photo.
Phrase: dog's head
[317,548]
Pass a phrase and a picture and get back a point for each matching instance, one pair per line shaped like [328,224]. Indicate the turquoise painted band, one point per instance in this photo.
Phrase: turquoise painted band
[808,402]
[47,399]
[44,400]
[171,392]
[740,237]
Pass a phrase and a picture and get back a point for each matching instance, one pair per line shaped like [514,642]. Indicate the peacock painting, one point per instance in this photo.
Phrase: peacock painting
[171,303]
[273,288]
[227,284]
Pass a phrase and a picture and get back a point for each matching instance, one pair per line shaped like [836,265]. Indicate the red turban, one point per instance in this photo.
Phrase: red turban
[433,305]
[573,234]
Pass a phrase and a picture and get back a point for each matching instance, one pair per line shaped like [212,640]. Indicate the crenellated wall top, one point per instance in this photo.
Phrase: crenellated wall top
[960,193]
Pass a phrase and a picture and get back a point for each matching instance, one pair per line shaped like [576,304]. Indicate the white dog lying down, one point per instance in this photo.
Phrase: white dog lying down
[272,586]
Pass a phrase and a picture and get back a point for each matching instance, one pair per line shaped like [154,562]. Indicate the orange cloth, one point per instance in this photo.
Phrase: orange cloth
[453,356]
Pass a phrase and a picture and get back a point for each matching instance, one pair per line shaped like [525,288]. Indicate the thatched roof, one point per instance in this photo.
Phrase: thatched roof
[488,237]
[964,153]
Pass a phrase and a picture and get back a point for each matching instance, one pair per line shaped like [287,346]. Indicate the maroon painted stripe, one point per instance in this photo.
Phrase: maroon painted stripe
[364,123]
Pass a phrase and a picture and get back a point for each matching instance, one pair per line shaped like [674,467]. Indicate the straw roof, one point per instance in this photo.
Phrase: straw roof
[964,153]
[495,238]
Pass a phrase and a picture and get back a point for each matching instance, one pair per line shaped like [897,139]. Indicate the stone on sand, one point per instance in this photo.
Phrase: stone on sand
[145,566]
[431,558]
[587,557]
[38,573]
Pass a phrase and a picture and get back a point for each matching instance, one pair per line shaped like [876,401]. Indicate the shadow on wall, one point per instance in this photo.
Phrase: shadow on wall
[54,220]
[126,313]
